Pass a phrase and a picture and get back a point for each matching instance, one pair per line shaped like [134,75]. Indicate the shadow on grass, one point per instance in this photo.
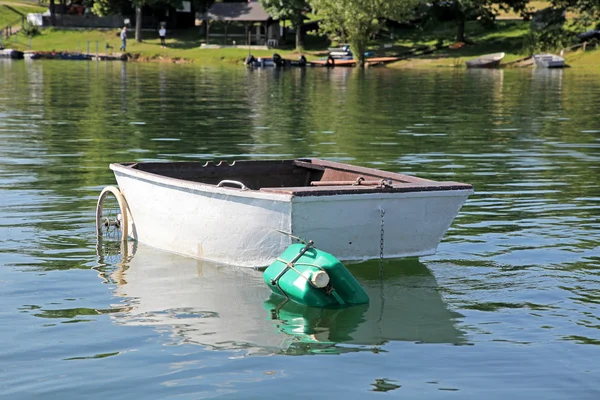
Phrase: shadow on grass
[177,39]
[505,36]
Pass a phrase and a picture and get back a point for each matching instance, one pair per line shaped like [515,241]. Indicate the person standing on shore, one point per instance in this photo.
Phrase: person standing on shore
[123,39]
[162,33]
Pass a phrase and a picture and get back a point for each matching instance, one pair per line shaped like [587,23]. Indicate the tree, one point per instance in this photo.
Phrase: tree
[108,7]
[139,4]
[462,11]
[292,10]
[52,13]
[587,12]
[357,21]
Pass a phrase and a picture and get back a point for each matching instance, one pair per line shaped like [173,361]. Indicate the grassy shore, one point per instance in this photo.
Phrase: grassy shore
[12,11]
[182,46]
[507,35]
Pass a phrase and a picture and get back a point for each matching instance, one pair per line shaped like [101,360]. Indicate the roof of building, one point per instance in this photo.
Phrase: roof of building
[250,11]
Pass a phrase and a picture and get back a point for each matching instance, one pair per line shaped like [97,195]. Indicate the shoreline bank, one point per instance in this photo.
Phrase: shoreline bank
[577,59]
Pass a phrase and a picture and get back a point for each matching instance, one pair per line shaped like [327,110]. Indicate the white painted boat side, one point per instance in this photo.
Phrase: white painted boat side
[239,227]
[486,59]
[235,227]
[549,61]
[349,226]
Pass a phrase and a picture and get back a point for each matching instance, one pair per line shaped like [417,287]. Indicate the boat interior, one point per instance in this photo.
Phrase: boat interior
[300,176]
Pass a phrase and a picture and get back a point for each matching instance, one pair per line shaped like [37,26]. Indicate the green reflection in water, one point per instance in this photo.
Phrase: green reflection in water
[527,140]
[103,355]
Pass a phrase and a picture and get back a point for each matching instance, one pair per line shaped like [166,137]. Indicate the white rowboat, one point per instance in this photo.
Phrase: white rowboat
[549,61]
[487,61]
[235,213]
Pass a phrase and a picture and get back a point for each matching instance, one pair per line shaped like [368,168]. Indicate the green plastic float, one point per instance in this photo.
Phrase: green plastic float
[314,278]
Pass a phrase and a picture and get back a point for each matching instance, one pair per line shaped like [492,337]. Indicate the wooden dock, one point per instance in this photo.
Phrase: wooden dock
[351,63]
[52,55]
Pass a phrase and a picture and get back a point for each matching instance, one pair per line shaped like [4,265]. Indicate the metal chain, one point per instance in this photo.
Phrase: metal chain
[381,243]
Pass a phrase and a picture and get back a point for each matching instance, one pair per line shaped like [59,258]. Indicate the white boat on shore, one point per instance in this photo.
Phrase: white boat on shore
[235,213]
[548,61]
[487,61]
[10,53]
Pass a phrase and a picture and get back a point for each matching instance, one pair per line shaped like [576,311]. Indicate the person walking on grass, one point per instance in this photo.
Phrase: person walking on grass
[162,33]
[123,39]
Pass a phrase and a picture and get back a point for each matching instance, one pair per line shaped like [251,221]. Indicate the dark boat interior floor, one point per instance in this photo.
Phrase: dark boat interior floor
[301,177]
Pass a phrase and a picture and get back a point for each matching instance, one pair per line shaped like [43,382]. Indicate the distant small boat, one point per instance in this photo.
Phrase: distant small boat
[548,61]
[275,61]
[74,56]
[32,55]
[10,53]
[352,62]
[487,61]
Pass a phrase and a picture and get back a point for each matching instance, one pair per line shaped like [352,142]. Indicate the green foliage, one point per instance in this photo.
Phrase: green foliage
[358,21]
[109,7]
[552,39]
[29,29]
[106,7]
[292,10]
[460,11]
[587,11]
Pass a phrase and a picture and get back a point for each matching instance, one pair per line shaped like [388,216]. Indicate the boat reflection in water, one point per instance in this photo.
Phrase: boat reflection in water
[228,308]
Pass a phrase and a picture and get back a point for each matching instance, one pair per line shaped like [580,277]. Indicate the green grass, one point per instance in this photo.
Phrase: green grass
[589,59]
[10,14]
[506,36]
[181,45]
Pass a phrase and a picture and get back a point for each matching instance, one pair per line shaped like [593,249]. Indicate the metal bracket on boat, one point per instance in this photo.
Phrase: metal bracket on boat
[387,183]
[228,182]
[290,265]
[360,181]
[379,183]
[297,238]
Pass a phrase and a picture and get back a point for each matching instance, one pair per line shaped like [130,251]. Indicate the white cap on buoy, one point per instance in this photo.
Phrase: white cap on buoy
[319,279]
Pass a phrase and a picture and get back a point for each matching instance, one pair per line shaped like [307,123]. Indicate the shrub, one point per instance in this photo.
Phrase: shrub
[29,29]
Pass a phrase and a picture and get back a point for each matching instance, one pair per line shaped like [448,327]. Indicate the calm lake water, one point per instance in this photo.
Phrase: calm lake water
[507,308]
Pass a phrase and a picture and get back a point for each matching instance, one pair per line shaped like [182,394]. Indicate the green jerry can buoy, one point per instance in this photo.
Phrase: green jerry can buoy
[314,278]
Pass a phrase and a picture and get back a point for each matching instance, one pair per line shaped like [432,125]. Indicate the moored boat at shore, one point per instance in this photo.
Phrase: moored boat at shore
[549,61]
[12,54]
[235,213]
[487,61]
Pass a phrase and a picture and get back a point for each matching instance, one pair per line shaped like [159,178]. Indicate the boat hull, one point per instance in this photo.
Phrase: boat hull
[488,61]
[240,227]
[12,54]
[548,61]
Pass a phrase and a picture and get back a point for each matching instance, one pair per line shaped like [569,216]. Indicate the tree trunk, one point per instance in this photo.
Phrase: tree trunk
[138,23]
[52,13]
[299,37]
[460,31]
[298,26]
[359,53]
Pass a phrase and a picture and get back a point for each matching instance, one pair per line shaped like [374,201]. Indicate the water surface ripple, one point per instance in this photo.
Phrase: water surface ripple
[507,308]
